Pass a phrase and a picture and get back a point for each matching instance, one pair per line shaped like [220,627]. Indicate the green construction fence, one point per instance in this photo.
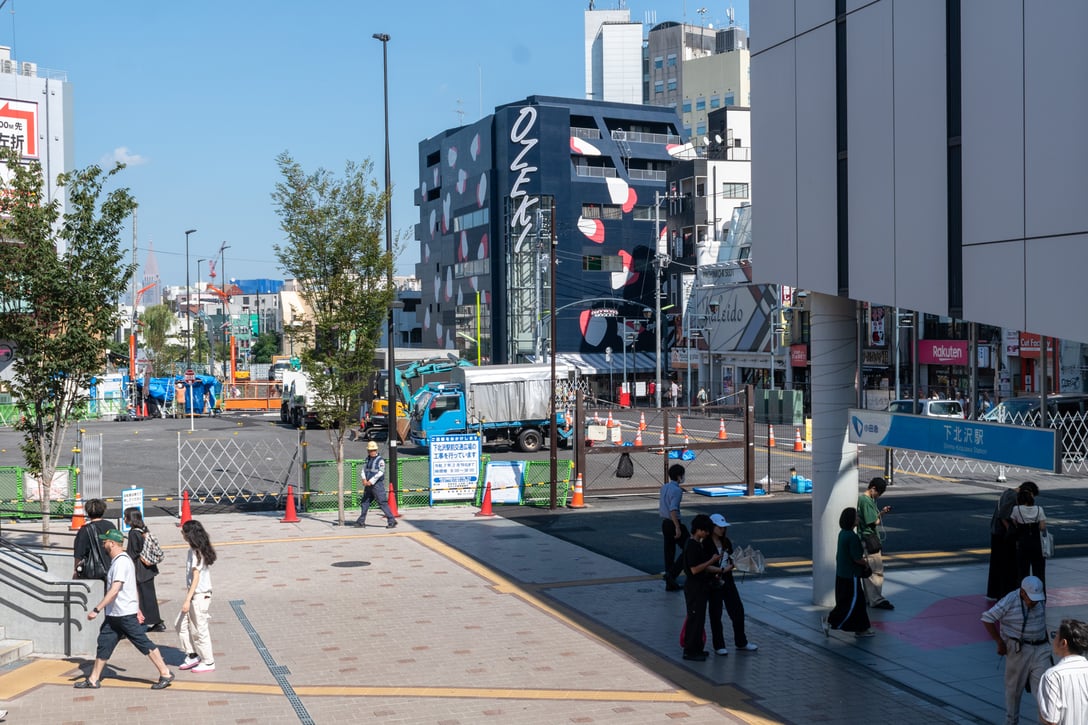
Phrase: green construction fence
[14,500]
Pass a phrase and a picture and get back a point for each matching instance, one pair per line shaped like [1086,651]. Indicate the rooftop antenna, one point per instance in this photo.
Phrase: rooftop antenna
[731,14]
[702,15]
[460,113]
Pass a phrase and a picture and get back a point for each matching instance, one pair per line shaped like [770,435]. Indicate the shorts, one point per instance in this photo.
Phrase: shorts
[116,628]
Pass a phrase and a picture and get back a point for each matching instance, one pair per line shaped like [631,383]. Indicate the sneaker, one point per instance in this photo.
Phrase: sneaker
[748,648]
[722,651]
[205,667]
[866,633]
[189,663]
[392,524]
[160,627]
[884,605]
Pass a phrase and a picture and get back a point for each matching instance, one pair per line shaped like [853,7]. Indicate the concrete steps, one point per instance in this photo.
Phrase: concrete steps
[12,650]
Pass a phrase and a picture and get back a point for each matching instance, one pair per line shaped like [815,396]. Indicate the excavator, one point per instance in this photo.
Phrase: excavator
[375,416]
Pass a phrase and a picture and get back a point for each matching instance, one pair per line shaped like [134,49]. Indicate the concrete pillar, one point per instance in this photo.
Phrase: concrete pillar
[834,460]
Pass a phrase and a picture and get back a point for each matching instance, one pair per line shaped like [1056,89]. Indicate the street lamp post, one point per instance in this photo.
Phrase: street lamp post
[226,305]
[199,305]
[188,316]
[391,362]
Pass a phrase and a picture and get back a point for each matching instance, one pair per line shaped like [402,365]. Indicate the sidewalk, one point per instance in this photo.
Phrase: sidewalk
[452,618]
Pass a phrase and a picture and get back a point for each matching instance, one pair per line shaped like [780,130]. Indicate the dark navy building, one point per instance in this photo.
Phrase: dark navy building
[495,195]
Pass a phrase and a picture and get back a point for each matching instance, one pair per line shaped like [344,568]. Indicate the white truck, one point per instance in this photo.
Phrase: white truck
[296,400]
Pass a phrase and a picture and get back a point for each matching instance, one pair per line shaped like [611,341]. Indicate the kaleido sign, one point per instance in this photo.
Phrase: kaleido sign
[943,352]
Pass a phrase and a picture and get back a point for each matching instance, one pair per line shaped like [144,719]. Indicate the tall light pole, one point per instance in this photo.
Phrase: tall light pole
[188,317]
[199,303]
[391,363]
[226,305]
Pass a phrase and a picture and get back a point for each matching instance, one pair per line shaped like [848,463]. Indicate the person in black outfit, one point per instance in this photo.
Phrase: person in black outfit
[700,564]
[145,574]
[724,594]
[1003,571]
[87,536]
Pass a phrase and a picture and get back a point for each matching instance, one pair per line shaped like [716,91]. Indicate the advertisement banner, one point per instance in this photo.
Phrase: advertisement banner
[1029,346]
[799,355]
[455,467]
[876,327]
[942,352]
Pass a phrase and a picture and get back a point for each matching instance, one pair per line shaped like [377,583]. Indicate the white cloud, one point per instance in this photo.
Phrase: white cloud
[123,155]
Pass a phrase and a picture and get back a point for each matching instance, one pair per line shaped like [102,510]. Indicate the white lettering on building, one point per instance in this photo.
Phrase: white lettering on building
[521,220]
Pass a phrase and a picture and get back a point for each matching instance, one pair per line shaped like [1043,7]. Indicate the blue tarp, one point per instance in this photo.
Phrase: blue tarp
[258,286]
[163,390]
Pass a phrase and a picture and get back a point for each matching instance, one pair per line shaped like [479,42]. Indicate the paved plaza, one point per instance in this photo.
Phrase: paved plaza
[455,619]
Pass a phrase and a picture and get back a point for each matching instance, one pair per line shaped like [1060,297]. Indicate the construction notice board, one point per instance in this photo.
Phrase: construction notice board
[455,467]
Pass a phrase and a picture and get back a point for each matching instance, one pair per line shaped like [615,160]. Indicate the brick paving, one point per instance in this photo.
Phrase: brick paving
[453,619]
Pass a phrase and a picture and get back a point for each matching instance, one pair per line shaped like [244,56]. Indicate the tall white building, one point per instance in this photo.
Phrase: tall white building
[613,47]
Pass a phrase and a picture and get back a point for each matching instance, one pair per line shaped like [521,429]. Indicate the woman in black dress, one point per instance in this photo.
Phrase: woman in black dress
[849,613]
[145,573]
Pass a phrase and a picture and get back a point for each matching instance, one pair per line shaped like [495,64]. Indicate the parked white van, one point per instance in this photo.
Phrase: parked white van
[930,407]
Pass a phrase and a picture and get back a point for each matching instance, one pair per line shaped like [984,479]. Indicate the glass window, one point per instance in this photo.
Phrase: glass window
[729,99]
[659,86]
[715,102]
[591,211]
[591,263]
[659,62]
[700,130]
[672,60]
[735,191]
[687,106]
[672,84]
[700,104]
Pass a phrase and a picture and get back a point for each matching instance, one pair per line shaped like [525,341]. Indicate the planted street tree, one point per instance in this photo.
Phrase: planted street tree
[61,276]
[335,250]
[156,322]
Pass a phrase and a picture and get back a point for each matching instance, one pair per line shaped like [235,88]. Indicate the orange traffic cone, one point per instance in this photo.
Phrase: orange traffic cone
[638,438]
[770,436]
[186,514]
[642,421]
[661,438]
[392,502]
[290,517]
[596,418]
[610,423]
[578,501]
[78,517]
[686,443]
[722,434]
[679,427]
[485,507]
[798,446]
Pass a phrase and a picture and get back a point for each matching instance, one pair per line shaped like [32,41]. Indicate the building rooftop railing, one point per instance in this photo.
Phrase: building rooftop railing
[640,137]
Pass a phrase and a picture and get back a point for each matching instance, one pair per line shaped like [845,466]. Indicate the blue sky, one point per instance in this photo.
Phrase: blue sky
[199,97]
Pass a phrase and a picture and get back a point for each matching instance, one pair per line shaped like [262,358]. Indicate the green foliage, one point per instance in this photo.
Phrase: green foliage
[336,250]
[61,277]
[156,323]
[265,346]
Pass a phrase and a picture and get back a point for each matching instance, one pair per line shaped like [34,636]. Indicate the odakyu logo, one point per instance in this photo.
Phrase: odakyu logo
[859,427]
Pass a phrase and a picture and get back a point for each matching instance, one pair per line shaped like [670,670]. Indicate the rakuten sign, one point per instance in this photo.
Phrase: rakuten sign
[942,352]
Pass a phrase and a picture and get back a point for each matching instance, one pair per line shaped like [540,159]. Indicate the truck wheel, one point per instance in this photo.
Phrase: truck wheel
[530,440]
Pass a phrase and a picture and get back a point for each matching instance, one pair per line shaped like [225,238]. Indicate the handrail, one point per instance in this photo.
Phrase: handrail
[68,585]
[25,553]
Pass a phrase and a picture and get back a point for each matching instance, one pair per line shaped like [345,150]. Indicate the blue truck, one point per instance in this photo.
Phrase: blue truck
[500,403]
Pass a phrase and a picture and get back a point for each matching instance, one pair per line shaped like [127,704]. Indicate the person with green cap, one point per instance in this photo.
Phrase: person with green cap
[123,620]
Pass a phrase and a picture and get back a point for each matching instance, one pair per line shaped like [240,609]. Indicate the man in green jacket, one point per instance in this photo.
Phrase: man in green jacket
[868,518]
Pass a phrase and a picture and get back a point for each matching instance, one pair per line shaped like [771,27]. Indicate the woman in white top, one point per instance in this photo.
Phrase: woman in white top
[192,624]
[1030,521]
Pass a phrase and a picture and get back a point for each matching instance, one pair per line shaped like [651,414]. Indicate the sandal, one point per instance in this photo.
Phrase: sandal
[87,685]
[163,683]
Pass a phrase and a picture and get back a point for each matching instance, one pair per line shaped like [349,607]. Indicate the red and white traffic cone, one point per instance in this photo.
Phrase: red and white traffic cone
[722,434]
[638,438]
[642,421]
[798,446]
[485,508]
[770,436]
[679,428]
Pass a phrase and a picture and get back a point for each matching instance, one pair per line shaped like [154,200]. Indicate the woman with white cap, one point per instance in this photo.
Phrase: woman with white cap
[724,593]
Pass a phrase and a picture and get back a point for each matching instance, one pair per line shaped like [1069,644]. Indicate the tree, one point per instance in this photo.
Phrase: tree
[335,250]
[61,276]
[156,322]
[265,346]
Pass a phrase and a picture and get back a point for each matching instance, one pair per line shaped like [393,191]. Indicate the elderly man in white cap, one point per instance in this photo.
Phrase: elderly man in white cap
[723,593]
[1018,624]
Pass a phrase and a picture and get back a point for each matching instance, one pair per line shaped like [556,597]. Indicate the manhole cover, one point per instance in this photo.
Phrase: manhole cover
[350,564]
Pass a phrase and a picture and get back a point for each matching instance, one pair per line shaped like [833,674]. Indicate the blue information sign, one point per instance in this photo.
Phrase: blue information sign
[1011,445]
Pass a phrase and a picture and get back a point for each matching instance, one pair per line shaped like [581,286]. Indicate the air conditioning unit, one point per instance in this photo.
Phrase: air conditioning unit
[27,68]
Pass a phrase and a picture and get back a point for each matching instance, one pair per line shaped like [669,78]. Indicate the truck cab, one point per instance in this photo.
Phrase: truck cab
[439,409]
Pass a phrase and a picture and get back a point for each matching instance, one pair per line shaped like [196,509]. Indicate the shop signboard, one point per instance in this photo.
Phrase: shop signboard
[942,352]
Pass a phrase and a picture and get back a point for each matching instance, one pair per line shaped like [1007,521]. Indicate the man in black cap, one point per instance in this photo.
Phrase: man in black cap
[122,616]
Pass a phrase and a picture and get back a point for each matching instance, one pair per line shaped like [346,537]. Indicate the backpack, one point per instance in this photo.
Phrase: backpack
[152,554]
[93,565]
[626,467]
